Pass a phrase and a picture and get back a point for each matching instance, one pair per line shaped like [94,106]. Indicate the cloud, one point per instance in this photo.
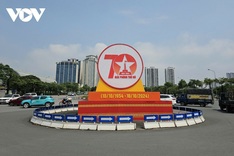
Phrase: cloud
[162,17]
[42,61]
[151,52]
[126,13]
[142,18]
[97,49]
[190,45]
[223,46]
[190,58]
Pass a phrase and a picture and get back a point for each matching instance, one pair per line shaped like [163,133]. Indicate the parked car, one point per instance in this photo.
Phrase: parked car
[42,100]
[8,97]
[30,94]
[168,97]
[71,94]
[17,101]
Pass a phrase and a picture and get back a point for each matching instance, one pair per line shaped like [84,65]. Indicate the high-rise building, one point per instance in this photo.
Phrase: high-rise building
[170,75]
[230,75]
[151,76]
[89,71]
[68,71]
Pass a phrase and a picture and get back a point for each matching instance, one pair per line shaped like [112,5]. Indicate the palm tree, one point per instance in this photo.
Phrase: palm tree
[182,84]
[195,83]
[208,82]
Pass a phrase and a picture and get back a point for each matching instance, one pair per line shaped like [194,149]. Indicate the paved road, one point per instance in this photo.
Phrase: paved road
[19,137]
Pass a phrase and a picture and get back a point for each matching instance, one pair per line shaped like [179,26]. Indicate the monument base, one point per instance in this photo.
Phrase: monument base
[121,108]
[121,104]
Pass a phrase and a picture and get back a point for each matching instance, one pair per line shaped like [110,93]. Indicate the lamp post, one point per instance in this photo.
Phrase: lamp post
[215,82]
[214,76]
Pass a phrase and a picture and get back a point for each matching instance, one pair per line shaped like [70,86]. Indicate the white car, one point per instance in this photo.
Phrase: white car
[8,97]
[168,97]
[30,94]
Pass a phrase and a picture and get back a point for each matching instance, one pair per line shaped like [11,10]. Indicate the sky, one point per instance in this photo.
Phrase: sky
[191,36]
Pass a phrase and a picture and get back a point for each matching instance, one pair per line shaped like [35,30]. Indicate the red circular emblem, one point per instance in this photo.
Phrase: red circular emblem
[120,66]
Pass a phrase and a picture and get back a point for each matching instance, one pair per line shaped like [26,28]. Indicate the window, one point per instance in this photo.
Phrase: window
[35,98]
[43,97]
[164,96]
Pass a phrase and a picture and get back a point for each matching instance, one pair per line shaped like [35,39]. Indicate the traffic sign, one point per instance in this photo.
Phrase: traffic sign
[72,118]
[48,116]
[166,117]
[58,117]
[89,119]
[40,115]
[34,113]
[200,113]
[179,116]
[196,114]
[125,118]
[151,117]
[106,118]
[189,115]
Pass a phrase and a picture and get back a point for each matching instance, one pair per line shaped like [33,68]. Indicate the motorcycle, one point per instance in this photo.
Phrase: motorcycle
[66,101]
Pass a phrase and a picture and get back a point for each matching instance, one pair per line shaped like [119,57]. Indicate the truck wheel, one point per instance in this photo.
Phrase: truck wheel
[228,109]
[221,108]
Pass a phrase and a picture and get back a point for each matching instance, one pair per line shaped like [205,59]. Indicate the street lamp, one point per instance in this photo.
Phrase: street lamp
[214,76]
[215,80]
[213,72]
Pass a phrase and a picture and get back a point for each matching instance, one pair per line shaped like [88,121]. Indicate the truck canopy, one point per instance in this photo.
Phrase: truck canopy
[199,91]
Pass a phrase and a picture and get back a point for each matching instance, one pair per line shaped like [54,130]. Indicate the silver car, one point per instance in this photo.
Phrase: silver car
[8,97]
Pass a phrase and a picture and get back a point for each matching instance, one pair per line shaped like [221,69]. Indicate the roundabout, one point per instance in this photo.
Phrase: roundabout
[21,137]
[120,100]
[66,117]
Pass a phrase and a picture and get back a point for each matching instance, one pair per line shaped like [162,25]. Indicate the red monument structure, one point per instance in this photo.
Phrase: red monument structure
[120,90]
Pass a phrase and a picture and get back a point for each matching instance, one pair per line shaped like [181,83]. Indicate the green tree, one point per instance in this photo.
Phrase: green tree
[208,82]
[182,84]
[31,83]
[85,88]
[195,83]
[8,76]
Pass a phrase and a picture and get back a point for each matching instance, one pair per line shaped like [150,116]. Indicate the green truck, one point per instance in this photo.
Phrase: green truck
[226,101]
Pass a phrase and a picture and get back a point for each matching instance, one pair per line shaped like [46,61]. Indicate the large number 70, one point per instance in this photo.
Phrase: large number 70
[111,57]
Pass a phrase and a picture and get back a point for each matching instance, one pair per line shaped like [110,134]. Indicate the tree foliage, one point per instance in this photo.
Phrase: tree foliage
[30,83]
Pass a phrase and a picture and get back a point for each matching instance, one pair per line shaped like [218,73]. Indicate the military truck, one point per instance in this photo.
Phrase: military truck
[226,101]
[200,97]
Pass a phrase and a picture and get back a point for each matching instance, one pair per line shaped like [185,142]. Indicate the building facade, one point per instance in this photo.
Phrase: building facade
[89,74]
[68,71]
[151,77]
[170,75]
[230,75]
